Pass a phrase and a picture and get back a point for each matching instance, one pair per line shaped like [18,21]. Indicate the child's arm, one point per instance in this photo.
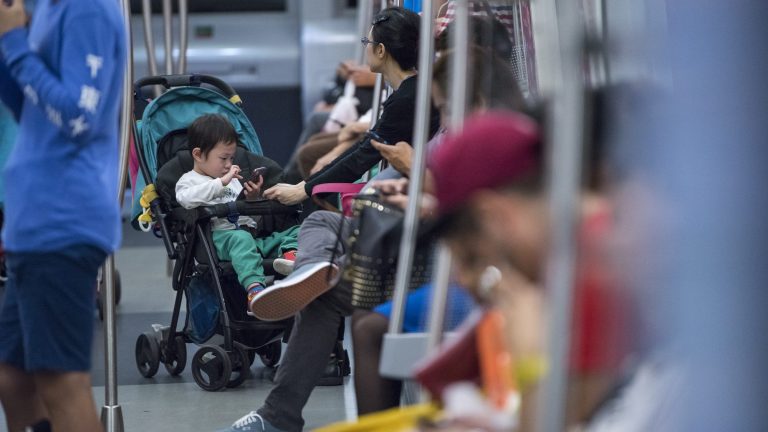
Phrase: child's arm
[191,194]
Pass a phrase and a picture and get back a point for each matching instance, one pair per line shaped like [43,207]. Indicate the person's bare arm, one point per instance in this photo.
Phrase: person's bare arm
[348,136]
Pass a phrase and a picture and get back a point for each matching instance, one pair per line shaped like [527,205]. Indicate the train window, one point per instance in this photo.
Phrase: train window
[219,6]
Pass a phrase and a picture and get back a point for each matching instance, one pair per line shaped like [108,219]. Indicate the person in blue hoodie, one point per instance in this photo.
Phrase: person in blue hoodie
[61,76]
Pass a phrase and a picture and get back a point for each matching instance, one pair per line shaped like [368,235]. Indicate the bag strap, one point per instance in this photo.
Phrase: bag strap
[343,188]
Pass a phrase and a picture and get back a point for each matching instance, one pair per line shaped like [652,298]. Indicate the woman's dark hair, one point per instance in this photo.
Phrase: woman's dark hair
[208,130]
[487,32]
[490,80]
[398,30]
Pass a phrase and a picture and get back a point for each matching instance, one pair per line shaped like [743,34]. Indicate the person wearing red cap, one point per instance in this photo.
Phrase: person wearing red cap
[488,181]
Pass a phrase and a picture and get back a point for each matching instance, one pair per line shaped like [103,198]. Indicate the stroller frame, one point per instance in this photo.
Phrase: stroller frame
[212,365]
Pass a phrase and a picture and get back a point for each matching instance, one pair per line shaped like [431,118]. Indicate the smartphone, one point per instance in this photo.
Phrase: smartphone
[374,136]
[256,173]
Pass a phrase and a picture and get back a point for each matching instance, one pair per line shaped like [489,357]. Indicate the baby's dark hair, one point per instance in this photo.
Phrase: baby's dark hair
[398,30]
[208,130]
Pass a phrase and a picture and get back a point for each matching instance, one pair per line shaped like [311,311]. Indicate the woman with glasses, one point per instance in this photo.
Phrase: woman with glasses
[391,48]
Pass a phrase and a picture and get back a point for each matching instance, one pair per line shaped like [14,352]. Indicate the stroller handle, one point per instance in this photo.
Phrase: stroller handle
[193,80]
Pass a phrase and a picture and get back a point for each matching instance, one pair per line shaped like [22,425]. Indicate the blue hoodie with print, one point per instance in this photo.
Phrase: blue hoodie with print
[62,78]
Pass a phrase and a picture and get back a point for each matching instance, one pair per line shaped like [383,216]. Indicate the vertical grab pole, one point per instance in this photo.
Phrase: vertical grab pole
[377,88]
[460,42]
[149,38]
[376,105]
[566,133]
[168,36]
[438,303]
[420,135]
[149,41]
[111,412]
[439,300]
[364,14]
[184,36]
[444,260]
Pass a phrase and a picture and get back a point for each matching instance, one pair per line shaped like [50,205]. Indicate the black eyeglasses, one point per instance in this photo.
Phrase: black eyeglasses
[365,41]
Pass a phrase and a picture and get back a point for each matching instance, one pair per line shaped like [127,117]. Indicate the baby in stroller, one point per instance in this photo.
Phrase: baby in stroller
[215,179]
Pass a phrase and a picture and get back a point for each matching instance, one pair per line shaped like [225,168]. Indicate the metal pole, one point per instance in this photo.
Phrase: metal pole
[149,38]
[566,133]
[111,412]
[376,105]
[458,111]
[595,26]
[520,52]
[460,42]
[364,16]
[439,299]
[184,37]
[437,305]
[420,135]
[378,88]
[168,36]
[605,37]
[547,42]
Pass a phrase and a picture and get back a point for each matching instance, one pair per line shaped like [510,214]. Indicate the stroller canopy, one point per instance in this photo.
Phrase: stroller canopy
[179,107]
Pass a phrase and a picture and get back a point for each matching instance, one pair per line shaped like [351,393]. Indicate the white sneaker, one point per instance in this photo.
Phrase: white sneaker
[287,297]
[251,422]
[283,266]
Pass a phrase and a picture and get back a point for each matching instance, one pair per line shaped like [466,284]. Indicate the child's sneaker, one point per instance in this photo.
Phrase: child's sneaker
[287,297]
[252,292]
[285,265]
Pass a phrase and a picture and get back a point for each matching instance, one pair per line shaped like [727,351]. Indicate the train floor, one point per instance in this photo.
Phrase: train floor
[166,403]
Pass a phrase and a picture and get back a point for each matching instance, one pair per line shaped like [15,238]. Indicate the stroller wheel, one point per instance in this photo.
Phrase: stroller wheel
[147,354]
[176,356]
[241,365]
[211,367]
[270,354]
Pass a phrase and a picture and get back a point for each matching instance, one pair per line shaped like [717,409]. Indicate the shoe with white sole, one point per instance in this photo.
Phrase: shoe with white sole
[283,266]
[287,297]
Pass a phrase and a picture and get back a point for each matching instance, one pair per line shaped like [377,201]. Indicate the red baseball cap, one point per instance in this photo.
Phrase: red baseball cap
[492,149]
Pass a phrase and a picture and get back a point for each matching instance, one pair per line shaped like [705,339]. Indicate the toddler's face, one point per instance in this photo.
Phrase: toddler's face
[218,161]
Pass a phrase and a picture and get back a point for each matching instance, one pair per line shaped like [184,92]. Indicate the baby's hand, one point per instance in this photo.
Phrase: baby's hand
[234,172]
[253,189]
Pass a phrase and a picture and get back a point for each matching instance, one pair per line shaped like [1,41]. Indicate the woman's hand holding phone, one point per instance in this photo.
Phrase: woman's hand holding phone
[400,155]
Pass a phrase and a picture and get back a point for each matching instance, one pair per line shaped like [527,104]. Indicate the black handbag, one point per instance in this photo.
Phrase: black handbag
[372,252]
